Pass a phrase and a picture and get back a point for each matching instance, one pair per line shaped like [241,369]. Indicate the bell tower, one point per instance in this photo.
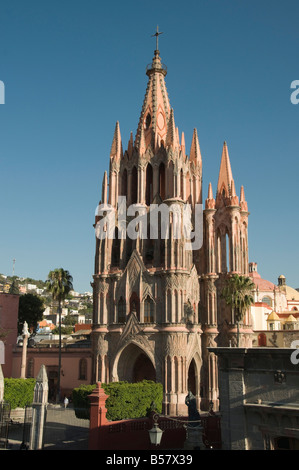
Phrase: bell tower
[226,253]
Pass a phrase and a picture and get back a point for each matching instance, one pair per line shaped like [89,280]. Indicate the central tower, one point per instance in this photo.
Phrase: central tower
[156,297]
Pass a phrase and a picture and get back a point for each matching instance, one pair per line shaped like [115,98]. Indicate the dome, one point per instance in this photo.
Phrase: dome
[261,284]
[291,318]
[291,294]
[273,316]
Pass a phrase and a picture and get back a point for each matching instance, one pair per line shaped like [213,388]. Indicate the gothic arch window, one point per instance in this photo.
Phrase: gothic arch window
[149,310]
[149,185]
[170,185]
[121,311]
[83,369]
[188,187]
[182,184]
[134,185]
[115,255]
[135,305]
[227,252]
[124,183]
[149,246]
[218,241]
[162,181]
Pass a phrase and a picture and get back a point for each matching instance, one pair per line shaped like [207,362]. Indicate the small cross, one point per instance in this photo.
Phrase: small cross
[157,34]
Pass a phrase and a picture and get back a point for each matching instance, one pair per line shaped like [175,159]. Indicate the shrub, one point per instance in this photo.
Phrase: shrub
[18,392]
[81,401]
[125,400]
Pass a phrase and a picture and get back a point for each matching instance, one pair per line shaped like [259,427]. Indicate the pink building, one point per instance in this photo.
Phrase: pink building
[76,365]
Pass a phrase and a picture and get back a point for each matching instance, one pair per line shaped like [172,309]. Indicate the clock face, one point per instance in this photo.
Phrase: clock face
[161,121]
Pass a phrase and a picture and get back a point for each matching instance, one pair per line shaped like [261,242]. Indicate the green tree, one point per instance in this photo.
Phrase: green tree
[238,293]
[59,284]
[14,287]
[69,320]
[31,308]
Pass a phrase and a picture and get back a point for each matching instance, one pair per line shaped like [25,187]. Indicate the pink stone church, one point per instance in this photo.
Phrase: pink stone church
[157,303]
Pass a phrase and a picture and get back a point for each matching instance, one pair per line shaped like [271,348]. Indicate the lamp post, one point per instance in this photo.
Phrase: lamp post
[155,433]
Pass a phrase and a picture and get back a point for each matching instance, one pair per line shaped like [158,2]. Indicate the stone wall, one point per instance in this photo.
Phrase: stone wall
[259,397]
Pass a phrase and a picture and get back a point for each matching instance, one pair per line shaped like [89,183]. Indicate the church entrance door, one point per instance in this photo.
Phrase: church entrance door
[134,365]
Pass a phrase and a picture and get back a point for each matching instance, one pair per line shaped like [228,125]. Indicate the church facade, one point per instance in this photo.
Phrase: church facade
[157,302]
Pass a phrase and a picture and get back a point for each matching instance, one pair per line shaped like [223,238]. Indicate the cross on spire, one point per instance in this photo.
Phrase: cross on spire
[157,34]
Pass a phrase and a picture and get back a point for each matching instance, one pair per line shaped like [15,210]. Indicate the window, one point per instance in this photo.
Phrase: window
[162,181]
[267,300]
[134,185]
[149,184]
[149,309]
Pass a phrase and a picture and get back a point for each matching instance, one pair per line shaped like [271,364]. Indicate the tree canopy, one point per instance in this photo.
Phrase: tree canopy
[59,284]
[31,308]
[238,292]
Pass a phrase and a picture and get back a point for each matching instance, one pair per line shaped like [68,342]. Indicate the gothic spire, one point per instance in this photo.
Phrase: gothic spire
[243,203]
[195,154]
[225,174]
[155,111]
[116,147]
[210,201]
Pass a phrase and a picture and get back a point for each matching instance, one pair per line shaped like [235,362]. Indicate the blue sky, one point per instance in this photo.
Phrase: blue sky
[71,69]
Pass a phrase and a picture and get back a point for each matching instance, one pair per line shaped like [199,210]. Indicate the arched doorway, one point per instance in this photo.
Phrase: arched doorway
[192,378]
[134,365]
[143,369]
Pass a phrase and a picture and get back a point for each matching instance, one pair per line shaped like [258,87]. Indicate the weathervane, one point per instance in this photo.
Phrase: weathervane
[157,34]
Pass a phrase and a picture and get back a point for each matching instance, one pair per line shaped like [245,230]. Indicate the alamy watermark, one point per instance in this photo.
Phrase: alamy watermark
[176,222]
[295,95]
[2,92]
[295,354]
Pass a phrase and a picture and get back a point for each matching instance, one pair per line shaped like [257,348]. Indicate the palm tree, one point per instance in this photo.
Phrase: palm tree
[238,293]
[59,283]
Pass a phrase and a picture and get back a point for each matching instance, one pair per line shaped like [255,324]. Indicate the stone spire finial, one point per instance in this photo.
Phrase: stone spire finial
[116,147]
[195,154]
[243,203]
[225,173]
[234,197]
[130,145]
[210,201]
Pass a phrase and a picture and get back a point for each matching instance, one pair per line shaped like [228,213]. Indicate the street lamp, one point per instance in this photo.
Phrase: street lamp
[155,433]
